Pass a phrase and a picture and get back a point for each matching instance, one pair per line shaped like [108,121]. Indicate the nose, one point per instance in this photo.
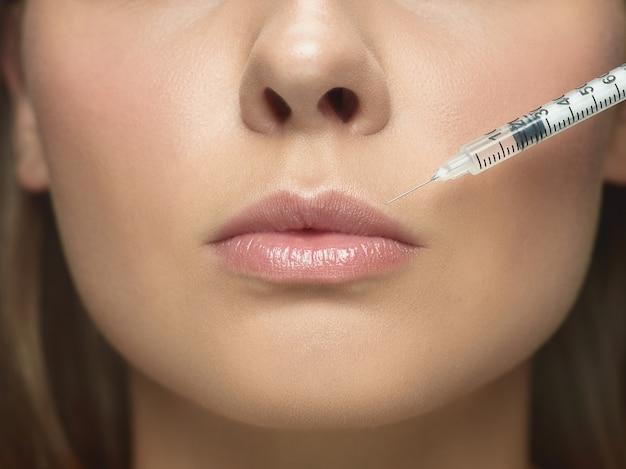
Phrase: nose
[310,69]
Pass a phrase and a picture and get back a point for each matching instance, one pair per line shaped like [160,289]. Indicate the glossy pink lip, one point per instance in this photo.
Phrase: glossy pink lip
[325,239]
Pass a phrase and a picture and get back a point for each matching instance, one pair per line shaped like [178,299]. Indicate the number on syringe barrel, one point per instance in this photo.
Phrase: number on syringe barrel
[526,130]
[529,129]
[570,104]
[608,78]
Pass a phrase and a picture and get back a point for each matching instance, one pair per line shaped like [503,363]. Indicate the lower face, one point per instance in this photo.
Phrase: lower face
[137,109]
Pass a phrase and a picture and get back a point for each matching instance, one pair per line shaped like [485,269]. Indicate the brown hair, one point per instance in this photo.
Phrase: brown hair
[65,401]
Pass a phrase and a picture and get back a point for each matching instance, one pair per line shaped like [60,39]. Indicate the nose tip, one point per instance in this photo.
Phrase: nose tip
[313,72]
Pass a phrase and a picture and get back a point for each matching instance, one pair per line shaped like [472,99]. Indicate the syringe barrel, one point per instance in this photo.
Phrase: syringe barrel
[539,124]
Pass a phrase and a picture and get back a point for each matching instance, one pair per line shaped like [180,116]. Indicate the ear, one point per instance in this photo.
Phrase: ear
[31,168]
[615,163]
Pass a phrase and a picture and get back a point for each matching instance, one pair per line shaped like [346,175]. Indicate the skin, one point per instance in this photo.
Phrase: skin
[145,122]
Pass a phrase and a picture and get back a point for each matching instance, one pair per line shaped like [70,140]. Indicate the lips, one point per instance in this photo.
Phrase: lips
[329,238]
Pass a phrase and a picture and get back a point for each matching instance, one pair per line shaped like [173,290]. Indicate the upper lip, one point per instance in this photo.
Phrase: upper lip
[328,211]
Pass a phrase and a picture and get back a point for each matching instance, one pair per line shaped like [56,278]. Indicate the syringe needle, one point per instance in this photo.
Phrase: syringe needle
[409,191]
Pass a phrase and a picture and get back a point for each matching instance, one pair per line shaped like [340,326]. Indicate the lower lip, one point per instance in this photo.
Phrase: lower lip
[309,256]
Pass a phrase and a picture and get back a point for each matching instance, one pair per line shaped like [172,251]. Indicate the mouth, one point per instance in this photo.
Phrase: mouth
[330,238]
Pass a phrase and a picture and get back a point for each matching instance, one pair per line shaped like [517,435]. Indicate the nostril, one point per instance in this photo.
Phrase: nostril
[278,106]
[342,101]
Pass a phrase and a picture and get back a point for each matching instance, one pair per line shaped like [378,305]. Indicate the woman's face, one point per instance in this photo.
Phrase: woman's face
[154,132]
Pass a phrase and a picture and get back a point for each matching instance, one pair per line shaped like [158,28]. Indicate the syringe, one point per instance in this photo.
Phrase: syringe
[538,125]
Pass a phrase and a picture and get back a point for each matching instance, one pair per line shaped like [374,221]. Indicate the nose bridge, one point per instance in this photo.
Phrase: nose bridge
[310,68]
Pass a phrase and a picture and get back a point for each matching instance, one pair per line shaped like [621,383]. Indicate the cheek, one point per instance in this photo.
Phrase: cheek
[128,117]
[529,223]
[518,238]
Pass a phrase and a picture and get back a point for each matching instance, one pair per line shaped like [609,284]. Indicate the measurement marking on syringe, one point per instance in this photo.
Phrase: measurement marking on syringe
[535,131]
